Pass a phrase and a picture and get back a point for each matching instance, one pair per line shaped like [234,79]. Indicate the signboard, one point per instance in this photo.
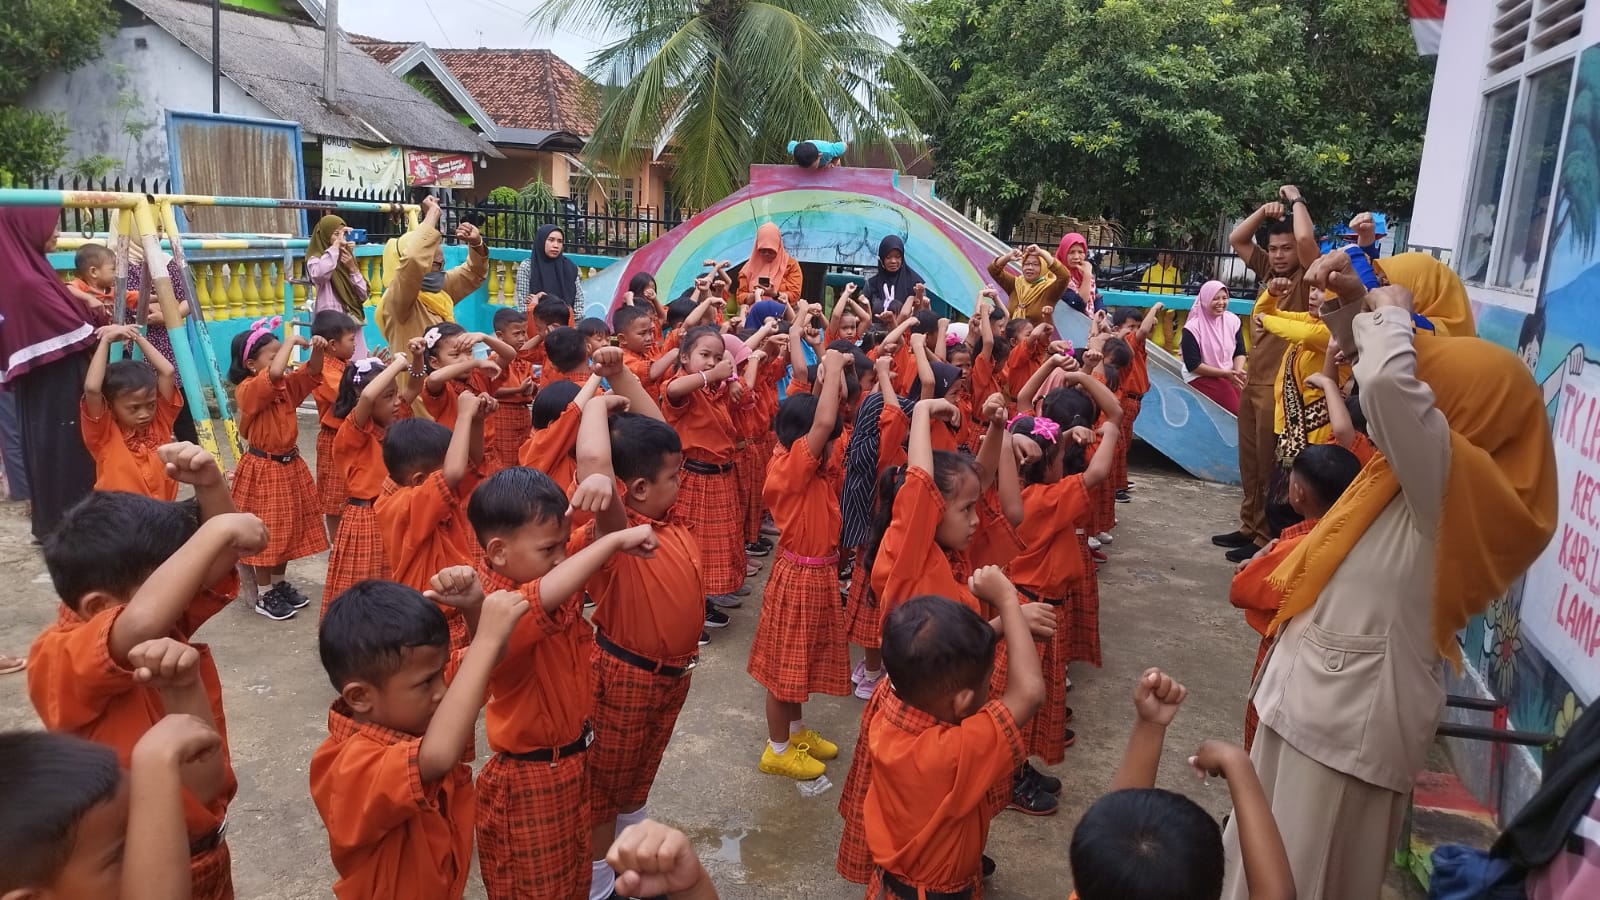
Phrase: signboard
[348,166]
[443,170]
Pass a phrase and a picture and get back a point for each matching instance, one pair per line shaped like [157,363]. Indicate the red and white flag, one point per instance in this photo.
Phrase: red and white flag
[1427,24]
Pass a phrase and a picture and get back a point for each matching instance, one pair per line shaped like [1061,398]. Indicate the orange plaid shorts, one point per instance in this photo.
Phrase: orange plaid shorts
[533,828]
[331,490]
[211,874]
[799,647]
[634,714]
[854,862]
[512,423]
[1080,615]
[358,554]
[863,617]
[1119,468]
[284,497]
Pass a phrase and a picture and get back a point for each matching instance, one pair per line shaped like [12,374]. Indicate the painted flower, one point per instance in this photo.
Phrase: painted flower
[1567,714]
[1504,635]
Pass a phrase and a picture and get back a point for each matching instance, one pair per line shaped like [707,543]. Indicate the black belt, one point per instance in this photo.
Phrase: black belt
[897,888]
[281,458]
[210,841]
[552,754]
[705,468]
[357,501]
[1132,396]
[1034,596]
[642,662]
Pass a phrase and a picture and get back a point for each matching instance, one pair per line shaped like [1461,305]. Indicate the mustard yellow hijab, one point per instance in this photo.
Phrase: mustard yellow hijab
[1438,293]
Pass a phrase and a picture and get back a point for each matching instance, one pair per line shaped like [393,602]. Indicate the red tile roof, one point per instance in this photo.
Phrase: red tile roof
[526,88]
[380,50]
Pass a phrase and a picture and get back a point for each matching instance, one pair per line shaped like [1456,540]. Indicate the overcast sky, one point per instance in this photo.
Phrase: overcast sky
[462,23]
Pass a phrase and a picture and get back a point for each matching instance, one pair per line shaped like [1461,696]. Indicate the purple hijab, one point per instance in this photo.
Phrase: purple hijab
[39,321]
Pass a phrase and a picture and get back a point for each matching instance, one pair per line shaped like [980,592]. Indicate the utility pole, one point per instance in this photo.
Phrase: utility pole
[216,56]
[330,52]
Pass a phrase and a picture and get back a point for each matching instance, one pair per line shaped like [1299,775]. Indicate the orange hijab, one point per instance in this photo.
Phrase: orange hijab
[1441,298]
[1499,499]
[768,237]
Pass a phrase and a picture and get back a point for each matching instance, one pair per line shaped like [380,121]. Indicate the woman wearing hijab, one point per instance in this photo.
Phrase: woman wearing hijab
[44,332]
[1036,292]
[421,293]
[1212,347]
[1460,502]
[336,279]
[894,281]
[549,272]
[1073,252]
[768,260]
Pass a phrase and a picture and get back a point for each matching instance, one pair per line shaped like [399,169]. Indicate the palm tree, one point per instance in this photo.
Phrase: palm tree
[1579,196]
[731,82]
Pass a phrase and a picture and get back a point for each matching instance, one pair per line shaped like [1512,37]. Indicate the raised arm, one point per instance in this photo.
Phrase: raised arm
[830,385]
[1035,381]
[161,601]
[450,730]
[93,400]
[608,364]
[1267,874]
[469,276]
[597,478]
[1305,231]
[1243,237]
[1104,458]
[415,250]
[1102,396]
[1024,678]
[568,578]
[280,361]
[1148,324]
[466,441]
[1002,275]
[362,413]
[1156,698]
[919,349]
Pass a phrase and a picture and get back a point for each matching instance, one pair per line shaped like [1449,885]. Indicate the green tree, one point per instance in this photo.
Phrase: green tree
[730,82]
[38,37]
[1579,199]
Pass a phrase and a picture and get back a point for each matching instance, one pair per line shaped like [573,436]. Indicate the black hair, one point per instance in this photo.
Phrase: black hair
[1144,844]
[414,445]
[626,315]
[1326,470]
[1117,357]
[351,384]
[512,498]
[590,326]
[1532,328]
[1014,328]
[507,316]
[1282,226]
[127,376]
[1070,408]
[694,336]
[551,402]
[565,348]
[872,337]
[91,255]
[111,541]
[795,417]
[933,647]
[333,324]
[679,310]
[552,311]
[1122,315]
[367,629]
[927,322]
[441,332]
[948,469]
[639,283]
[959,347]
[859,361]
[50,781]
[998,315]
[639,444]
[1352,402]
[1001,352]
[237,372]
[806,154]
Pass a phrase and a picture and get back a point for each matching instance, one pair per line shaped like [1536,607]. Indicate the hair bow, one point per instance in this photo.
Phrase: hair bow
[260,328]
[1046,429]
[364,367]
[950,340]
[431,336]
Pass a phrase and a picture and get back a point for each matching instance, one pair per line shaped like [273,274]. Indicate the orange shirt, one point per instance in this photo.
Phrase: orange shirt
[512,374]
[542,691]
[425,527]
[78,688]
[549,449]
[327,389]
[391,835]
[549,375]
[1363,448]
[925,816]
[128,462]
[1250,590]
[903,367]
[442,407]
[1051,515]
[267,410]
[639,364]
[653,607]
[893,427]
[1136,378]
[984,381]
[358,451]
[1020,366]
[809,518]
[704,422]
[909,562]
[996,542]
[131,298]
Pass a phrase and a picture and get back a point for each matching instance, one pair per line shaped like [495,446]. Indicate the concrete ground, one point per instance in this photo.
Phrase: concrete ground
[1163,603]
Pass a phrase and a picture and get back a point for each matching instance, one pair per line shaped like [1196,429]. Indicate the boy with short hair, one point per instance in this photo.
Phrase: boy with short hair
[939,743]
[389,781]
[131,570]
[568,355]
[594,332]
[94,281]
[513,388]
[127,411]
[340,331]
[533,793]
[1134,327]
[816,154]
[634,330]
[557,412]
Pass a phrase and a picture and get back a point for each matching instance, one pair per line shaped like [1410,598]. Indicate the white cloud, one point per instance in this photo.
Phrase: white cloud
[463,23]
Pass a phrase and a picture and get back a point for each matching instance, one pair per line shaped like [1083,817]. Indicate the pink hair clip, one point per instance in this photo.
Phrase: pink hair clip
[951,340]
[1046,429]
[260,328]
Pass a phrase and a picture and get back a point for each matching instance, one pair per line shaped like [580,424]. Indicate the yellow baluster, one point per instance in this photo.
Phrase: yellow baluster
[236,290]
[250,270]
[497,281]
[377,278]
[202,291]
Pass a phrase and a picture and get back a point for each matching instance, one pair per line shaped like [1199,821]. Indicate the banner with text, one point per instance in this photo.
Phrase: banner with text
[443,170]
[348,166]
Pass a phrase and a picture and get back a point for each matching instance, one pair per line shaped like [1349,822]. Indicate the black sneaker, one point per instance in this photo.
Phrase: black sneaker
[1047,783]
[275,606]
[295,598]
[988,866]
[1123,497]
[1067,720]
[1240,554]
[1030,799]
[1232,539]
[705,637]
[715,618]
[755,548]
[1072,738]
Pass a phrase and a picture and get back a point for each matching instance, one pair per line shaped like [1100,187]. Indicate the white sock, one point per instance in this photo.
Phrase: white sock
[871,674]
[602,881]
[631,818]
[797,726]
[779,749]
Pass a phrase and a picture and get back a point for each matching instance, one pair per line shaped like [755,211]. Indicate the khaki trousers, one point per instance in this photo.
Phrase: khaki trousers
[1258,444]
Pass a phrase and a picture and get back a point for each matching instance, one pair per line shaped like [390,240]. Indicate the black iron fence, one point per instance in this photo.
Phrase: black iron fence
[89,221]
[1136,269]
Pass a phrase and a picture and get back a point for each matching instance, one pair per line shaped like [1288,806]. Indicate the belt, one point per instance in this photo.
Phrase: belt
[210,841]
[897,888]
[643,662]
[1034,596]
[1133,396]
[705,468]
[281,458]
[799,560]
[554,754]
[357,501]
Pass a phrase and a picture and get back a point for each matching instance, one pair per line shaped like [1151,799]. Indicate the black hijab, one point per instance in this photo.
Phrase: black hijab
[553,277]
[891,288]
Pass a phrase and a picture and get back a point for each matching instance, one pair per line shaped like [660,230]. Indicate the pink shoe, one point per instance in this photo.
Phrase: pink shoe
[866,686]
[859,672]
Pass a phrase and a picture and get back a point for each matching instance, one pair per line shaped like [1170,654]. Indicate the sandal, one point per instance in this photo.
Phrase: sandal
[10,664]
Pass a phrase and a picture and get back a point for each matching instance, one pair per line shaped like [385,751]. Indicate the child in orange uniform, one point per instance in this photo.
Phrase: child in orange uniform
[698,406]
[367,401]
[647,611]
[557,415]
[96,270]
[635,331]
[340,331]
[1134,328]
[272,481]
[799,647]
[513,390]
[939,742]
[451,369]
[567,355]
[533,793]
[137,578]
[127,411]
[422,511]
[389,781]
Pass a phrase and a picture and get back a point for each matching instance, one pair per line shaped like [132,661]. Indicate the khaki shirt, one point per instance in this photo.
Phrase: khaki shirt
[1267,349]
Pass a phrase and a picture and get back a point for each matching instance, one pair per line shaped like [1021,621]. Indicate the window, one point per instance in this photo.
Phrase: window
[1484,200]
[627,194]
[578,188]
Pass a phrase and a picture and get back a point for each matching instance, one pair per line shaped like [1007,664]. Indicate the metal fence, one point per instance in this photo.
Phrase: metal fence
[1128,268]
[91,221]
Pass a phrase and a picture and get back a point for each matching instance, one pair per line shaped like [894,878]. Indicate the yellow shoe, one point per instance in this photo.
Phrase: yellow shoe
[795,762]
[820,747]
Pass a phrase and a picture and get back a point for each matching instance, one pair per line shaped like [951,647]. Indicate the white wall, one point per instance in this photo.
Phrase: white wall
[1451,137]
[143,72]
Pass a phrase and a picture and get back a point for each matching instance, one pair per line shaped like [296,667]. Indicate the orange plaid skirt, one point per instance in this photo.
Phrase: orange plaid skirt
[1251,719]
[1103,508]
[1045,735]
[854,862]
[211,874]
[358,554]
[284,498]
[331,490]
[512,424]
[1119,466]
[709,506]
[799,647]
[1079,623]
[533,828]
[634,714]
[749,473]
[863,618]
